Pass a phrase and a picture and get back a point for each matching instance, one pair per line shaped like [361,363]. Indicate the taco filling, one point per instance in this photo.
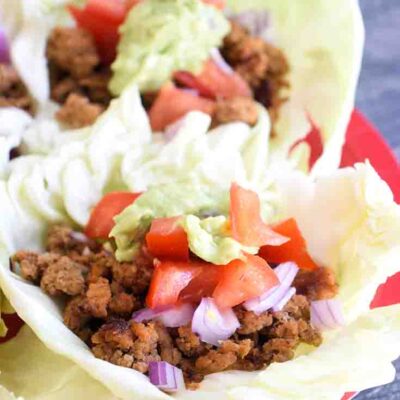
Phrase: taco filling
[210,290]
[184,55]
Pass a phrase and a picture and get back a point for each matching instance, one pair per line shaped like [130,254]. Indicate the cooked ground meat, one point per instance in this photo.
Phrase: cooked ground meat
[73,51]
[77,112]
[261,64]
[237,109]
[78,80]
[102,293]
[63,277]
[13,92]
[317,285]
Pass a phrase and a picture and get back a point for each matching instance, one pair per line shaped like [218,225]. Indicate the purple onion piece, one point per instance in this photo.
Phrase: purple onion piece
[166,377]
[171,317]
[284,300]
[286,273]
[213,324]
[327,314]
[256,21]
[4,48]
[220,62]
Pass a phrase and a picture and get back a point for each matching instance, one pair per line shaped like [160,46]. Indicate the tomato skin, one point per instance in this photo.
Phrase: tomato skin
[241,280]
[101,219]
[220,4]
[102,19]
[169,279]
[202,285]
[167,239]
[213,82]
[295,250]
[173,103]
[245,216]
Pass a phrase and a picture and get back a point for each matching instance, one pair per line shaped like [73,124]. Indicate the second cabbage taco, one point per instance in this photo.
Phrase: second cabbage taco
[67,60]
[192,267]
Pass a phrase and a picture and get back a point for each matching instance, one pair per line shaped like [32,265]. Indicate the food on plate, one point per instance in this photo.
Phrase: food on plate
[64,61]
[185,262]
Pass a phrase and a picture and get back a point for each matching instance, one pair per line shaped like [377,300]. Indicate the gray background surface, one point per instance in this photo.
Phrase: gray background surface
[379,99]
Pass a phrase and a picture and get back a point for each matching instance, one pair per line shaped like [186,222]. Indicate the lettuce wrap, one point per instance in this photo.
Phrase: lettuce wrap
[348,218]
[324,66]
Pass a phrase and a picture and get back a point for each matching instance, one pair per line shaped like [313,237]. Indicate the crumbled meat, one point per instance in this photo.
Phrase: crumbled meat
[167,350]
[33,265]
[63,240]
[130,345]
[319,284]
[133,276]
[189,343]
[72,50]
[123,304]
[98,297]
[13,92]
[251,322]
[76,317]
[261,64]
[63,277]
[78,80]
[237,109]
[78,112]
[278,350]
[100,265]
[224,357]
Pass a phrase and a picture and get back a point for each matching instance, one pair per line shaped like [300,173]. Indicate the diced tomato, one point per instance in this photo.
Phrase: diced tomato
[131,3]
[101,219]
[217,3]
[246,224]
[173,103]
[169,279]
[167,239]
[243,280]
[215,82]
[102,19]
[295,250]
[203,285]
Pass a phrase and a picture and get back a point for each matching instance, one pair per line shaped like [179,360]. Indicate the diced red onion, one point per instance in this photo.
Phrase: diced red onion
[4,47]
[172,129]
[327,314]
[286,273]
[256,21]
[79,236]
[220,62]
[166,377]
[193,92]
[284,300]
[171,317]
[213,324]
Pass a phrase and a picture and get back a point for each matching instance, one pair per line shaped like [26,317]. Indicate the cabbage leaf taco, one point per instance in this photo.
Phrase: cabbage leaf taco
[190,266]
[67,60]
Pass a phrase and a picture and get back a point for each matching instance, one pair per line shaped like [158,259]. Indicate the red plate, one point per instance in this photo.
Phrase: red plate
[363,142]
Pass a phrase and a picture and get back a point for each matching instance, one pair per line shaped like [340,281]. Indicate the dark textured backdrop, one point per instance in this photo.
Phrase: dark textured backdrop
[379,98]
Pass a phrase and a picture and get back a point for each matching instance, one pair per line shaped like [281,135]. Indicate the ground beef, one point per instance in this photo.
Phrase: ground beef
[98,297]
[237,109]
[319,284]
[73,51]
[224,357]
[261,64]
[78,80]
[63,277]
[128,344]
[13,92]
[251,322]
[102,293]
[78,112]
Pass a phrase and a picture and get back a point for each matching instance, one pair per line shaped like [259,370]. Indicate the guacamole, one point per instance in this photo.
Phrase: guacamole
[163,36]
